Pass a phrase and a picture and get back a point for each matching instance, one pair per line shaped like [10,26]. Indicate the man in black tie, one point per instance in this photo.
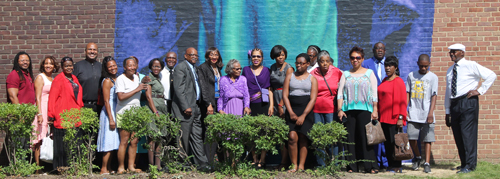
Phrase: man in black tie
[462,103]
[166,78]
[185,108]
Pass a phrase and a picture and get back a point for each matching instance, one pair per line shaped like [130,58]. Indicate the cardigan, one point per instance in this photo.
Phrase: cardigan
[62,97]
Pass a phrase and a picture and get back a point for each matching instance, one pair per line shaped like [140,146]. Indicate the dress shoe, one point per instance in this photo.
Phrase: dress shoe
[464,170]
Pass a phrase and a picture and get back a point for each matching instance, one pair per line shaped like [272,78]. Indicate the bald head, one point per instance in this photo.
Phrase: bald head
[91,52]
[171,59]
[379,50]
[191,55]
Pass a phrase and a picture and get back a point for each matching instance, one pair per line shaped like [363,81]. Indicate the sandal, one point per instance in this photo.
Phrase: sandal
[292,171]
[261,166]
[349,171]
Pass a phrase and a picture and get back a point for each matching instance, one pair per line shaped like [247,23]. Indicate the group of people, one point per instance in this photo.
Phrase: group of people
[315,91]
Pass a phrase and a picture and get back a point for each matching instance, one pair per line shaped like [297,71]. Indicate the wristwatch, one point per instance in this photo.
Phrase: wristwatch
[400,117]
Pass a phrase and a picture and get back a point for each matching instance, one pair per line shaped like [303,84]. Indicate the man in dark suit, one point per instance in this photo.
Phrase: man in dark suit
[376,63]
[185,102]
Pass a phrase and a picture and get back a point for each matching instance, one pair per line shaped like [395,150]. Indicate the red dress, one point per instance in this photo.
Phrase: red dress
[62,97]
[392,100]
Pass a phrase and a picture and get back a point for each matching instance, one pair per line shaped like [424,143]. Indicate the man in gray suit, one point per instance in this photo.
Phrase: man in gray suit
[185,108]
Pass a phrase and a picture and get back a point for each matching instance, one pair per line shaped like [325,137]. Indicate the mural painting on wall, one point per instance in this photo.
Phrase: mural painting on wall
[149,29]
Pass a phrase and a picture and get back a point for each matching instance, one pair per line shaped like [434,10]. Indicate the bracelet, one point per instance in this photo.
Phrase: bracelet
[39,114]
[280,105]
[339,110]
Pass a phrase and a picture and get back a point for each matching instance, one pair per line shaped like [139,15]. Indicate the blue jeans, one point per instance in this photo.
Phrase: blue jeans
[326,118]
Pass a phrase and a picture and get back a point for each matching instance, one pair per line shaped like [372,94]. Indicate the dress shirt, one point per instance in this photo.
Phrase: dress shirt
[380,64]
[165,81]
[195,80]
[88,75]
[469,73]
[311,68]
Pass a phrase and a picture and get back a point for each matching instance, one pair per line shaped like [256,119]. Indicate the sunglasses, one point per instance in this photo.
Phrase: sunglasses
[357,58]
[256,56]
[237,69]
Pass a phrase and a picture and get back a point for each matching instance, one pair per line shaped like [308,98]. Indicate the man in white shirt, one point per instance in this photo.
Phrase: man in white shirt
[166,80]
[462,103]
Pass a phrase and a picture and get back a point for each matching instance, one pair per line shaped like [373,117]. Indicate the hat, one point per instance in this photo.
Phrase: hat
[457,47]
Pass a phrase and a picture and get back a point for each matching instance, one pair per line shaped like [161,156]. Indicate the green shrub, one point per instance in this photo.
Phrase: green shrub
[162,129]
[16,120]
[323,136]
[80,156]
[234,133]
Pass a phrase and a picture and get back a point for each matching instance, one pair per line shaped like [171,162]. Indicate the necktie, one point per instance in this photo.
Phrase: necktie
[379,69]
[171,83]
[454,81]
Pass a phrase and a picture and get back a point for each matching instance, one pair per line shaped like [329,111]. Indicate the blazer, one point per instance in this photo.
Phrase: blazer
[62,97]
[206,80]
[184,95]
[371,64]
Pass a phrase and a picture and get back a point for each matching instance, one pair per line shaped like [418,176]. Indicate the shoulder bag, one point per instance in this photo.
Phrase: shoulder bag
[402,148]
[374,133]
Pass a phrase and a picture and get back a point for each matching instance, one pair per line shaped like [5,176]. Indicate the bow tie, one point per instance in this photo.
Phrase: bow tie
[378,61]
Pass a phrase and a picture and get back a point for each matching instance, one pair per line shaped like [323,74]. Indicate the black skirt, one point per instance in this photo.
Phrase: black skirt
[299,104]
[61,148]
[259,108]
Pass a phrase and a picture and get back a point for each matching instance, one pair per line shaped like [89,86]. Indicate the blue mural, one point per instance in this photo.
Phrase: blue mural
[149,29]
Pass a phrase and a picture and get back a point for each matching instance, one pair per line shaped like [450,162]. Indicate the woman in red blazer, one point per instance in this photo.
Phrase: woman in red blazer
[65,94]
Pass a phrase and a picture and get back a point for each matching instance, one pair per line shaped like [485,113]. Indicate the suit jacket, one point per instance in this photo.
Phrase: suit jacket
[206,80]
[184,89]
[371,64]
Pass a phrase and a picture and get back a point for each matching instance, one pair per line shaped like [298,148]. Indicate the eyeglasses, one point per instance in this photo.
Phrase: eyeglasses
[193,55]
[237,69]
[22,61]
[256,56]
[298,63]
[357,58]
[213,55]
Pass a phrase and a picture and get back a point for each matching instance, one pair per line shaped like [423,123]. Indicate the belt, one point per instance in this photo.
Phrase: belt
[90,102]
[279,88]
[459,98]
[157,96]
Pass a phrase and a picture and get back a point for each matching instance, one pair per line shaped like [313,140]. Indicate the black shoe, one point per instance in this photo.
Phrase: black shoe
[464,170]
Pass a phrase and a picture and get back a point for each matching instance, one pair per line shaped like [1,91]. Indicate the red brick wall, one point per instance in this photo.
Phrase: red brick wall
[474,23]
[63,28]
[58,28]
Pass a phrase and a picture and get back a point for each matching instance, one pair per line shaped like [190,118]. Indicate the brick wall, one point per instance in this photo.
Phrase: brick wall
[474,23]
[63,28]
[58,28]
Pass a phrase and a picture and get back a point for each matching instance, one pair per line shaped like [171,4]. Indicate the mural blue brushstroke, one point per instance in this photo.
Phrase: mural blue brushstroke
[144,33]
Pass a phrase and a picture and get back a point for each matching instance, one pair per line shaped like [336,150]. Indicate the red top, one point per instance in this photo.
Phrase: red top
[392,100]
[62,97]
[325,99]
[26,93]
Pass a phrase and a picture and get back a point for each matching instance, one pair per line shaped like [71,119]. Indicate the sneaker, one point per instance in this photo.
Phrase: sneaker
[416,163]
[427,168]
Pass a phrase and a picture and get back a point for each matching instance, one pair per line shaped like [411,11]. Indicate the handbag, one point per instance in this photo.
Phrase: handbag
[402,148]
[47,148]
[264,93]
[374,133]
